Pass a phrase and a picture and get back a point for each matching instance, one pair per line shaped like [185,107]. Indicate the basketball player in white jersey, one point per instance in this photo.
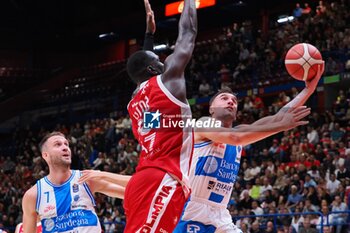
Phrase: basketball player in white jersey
[61,203]
[217,154]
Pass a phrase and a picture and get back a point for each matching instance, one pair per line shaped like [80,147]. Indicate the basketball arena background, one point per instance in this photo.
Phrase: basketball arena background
[62,67]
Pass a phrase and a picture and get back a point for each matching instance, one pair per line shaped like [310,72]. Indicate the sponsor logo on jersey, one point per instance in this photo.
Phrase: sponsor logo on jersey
[73,219]
[76,198]
[49,224]
[75,188]
[211,165]
[80,206]
[191,228]
[49,208]
[211,184]
[220,168]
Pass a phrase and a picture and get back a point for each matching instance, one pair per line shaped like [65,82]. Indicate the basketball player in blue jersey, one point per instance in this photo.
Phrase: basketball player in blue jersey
[59,200]
[217,154]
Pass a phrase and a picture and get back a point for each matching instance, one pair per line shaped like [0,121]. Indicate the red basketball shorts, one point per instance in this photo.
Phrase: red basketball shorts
[153,202]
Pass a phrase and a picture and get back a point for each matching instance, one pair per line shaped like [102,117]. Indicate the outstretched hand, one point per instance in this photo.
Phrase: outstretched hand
[312,84]
[89,175]
[292,117]
[151,24]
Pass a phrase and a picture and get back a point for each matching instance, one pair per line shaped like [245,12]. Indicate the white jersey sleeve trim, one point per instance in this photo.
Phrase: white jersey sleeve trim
[89,193]
[38,196]
[198,145]
[56,186]
[169,95]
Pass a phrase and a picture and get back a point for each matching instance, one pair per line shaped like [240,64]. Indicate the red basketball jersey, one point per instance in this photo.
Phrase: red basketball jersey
[159,124]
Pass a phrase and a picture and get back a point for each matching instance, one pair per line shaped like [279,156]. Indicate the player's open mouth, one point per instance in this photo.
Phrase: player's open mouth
[230,108]
[66,155]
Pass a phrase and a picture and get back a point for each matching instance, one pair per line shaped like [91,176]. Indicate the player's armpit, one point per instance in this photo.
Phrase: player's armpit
[29,212]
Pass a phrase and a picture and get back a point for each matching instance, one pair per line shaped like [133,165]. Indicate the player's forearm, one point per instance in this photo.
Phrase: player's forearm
[241,135]
[252,133]
[114,190]
[188,26]
[265,120]
[29,228]
[300,99]
[121,180]
[148,42]
[29,224]
[188,19]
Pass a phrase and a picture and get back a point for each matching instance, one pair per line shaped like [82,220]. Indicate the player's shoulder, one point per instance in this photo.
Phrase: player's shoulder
[31,193]
[29,198]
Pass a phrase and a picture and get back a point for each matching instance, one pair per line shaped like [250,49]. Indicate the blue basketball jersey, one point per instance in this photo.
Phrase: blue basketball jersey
[213,172]
[67,208]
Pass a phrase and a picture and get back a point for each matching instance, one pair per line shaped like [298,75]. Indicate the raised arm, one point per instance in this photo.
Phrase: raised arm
[297,101]
[175,64]
[150,28]
[247,134]
[304,95]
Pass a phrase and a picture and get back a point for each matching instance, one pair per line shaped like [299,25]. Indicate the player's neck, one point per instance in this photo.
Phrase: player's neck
[58,176]
[226,123]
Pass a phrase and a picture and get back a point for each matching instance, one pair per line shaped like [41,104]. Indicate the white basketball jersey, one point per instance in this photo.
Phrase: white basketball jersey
[214,171]
[67,208]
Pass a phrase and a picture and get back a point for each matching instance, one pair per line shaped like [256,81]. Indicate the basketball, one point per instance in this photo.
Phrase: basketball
[302,61]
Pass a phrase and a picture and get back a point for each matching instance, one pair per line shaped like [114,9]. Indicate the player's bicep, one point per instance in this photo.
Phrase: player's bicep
[176,63]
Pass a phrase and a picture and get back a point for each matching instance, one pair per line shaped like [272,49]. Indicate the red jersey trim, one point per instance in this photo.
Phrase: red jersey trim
[169,95]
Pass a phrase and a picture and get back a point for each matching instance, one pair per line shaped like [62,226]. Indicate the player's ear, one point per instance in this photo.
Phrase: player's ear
[44,154]
[155,68]
[152,70]
[211,111]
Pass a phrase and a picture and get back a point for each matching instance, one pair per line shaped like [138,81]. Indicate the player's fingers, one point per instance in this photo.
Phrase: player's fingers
[302,123]
[82,179]
[301,111]
[147,6]
[297,109]
[322,68]
[302,114]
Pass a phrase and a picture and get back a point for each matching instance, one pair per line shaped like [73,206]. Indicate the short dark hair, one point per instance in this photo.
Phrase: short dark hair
[224,90]
[47,136]
[137,64]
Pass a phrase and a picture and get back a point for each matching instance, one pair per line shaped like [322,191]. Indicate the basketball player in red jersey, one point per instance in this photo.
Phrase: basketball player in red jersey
[156,193]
